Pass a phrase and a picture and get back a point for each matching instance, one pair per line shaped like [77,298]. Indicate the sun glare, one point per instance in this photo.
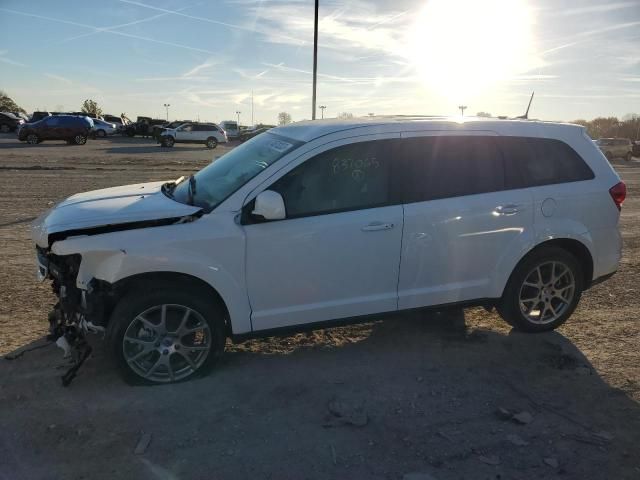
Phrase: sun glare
[462,48]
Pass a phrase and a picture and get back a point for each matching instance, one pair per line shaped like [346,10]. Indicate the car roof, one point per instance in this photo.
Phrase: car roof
[311,129]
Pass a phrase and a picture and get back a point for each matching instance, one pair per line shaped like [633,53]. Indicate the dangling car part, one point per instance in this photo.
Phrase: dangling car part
[83,305]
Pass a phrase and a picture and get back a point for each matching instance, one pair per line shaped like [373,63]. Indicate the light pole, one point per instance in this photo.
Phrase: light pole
[166,106]
[462,109]
[322,107]
[315,62]
[238,114]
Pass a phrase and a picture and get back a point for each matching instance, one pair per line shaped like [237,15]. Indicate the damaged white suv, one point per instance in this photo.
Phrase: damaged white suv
[327,221]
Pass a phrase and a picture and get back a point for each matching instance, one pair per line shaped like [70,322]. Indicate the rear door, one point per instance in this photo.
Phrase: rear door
[460,224]
[50,128]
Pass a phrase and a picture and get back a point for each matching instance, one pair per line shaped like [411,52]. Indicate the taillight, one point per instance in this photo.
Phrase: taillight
[618,193]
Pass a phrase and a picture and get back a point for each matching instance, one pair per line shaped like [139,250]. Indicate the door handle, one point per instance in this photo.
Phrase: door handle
[375,226]
[510,209]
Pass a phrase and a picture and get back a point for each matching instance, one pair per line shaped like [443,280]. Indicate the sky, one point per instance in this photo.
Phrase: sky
[205,58]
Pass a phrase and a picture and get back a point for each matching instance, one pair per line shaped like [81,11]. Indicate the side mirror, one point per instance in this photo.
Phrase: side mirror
[270,206]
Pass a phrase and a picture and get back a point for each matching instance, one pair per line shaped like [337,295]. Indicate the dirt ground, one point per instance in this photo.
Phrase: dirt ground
[449,395]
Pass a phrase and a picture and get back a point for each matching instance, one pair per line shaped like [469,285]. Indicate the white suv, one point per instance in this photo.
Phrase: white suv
[332,220]
[208,134]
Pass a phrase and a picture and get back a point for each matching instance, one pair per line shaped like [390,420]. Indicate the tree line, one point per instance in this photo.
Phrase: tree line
[600,127]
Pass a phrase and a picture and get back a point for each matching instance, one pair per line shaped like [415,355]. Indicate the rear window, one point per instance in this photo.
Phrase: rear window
[541,161]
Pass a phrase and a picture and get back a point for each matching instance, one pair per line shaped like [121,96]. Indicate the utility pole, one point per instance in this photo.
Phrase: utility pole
[322,107]
[238,114]
[252,108]
[462,109]
[315,62]
[166,106]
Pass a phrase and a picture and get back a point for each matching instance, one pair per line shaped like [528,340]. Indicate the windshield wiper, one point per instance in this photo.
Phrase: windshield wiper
[192,188]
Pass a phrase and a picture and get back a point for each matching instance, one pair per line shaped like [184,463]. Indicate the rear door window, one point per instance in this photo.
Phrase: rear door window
[450,166]
[533,162]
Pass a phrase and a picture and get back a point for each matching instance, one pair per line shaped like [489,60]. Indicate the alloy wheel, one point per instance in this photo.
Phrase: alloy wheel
[32,139]
[166,343]
[547,292]
[80,139]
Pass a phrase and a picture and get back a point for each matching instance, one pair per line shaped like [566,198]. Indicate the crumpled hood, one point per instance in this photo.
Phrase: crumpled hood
[106,207]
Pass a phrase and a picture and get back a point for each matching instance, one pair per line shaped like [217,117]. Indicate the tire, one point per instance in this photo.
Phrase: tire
[211,143]
[80,139]
[4,128]
[33,139]
[168,141]
[101,133]
[536,268]
[205,340]
[131,133]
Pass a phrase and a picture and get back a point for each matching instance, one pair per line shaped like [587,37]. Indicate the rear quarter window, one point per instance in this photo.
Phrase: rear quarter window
[533,162]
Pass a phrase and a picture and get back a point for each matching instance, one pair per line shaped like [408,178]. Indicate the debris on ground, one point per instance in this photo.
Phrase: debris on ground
[523,418]
[552,462]
[599,439]
[418,476]
[143,443]
[489,459]
[503,413]
[517,440]
[342,412]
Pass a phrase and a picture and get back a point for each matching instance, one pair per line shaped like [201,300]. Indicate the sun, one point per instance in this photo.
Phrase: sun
[461,48]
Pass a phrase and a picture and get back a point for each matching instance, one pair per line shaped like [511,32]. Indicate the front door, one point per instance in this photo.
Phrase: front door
[337,253]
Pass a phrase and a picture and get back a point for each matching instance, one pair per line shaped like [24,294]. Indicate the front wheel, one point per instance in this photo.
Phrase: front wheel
[166,335]
[168,141]
[543,291]
[101,133]
[212,142]
[32,139]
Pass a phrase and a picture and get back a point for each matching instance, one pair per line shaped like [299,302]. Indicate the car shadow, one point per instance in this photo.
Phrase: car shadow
[154,148]
[47,144]
[415,392]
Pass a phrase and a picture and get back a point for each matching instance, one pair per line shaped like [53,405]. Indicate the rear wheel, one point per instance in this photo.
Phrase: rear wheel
[80,139]
[211,142]
[166,335]
[543,291]
[101,133]
[32,139]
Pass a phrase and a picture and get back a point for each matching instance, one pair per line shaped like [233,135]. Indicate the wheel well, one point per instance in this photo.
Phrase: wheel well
[173,279]
[575,248]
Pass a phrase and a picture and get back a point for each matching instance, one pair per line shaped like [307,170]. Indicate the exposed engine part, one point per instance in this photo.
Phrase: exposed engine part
[77,313]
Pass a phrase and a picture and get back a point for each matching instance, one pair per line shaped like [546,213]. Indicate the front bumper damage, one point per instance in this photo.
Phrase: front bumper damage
[77,312]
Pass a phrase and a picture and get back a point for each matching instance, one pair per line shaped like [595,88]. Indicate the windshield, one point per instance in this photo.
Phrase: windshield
[216,182]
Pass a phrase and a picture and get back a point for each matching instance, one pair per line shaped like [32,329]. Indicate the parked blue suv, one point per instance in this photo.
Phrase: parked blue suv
[73,129]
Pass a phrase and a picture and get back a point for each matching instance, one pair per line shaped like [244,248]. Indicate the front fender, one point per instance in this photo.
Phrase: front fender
[191,250]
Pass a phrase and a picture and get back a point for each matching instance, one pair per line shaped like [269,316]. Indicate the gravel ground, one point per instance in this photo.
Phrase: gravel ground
[453,395]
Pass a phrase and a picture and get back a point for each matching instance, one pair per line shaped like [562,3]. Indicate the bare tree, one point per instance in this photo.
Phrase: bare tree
[284,118]
[91,108]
